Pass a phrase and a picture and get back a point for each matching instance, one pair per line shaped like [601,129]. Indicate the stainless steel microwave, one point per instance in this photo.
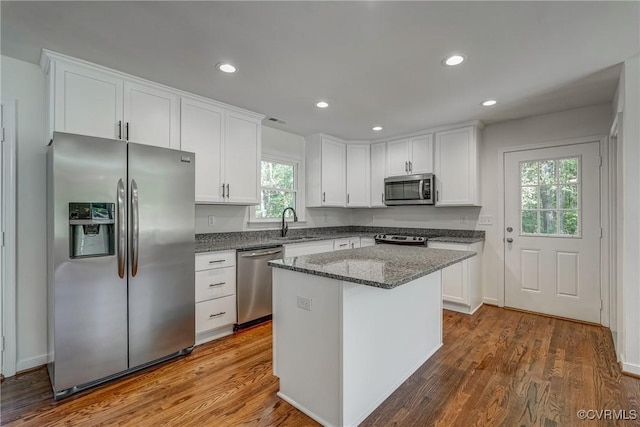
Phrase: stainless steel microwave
[409,190]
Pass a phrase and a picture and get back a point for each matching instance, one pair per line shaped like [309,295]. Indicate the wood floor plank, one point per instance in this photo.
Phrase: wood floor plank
[496,367]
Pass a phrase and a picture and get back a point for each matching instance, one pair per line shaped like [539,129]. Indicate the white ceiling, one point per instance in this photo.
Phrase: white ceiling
[376,62]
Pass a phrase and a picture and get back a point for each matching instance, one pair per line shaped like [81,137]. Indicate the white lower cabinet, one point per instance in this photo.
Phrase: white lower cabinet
[215,295]
[308,248]
[461,282]
[342,244]
[367,241]
[354,242]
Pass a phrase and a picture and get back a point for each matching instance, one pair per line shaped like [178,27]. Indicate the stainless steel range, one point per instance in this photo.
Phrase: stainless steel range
[395,239]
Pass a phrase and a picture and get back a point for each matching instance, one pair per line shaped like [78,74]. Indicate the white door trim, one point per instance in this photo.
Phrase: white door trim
[604,214]
[8,278]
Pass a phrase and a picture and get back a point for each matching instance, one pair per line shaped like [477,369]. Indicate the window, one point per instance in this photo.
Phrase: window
[279,189]
[550,197]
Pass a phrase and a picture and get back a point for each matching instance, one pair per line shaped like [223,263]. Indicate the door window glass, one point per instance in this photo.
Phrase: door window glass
[550,197]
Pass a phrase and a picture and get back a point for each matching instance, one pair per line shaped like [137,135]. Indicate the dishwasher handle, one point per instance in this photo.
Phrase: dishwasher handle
[258,254]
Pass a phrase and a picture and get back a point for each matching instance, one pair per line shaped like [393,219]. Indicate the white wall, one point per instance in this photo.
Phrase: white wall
[628,102]
[418,217]
[236,218]
[25,83]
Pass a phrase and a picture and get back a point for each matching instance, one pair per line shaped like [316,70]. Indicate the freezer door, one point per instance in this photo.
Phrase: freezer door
[162,252]
[88,297]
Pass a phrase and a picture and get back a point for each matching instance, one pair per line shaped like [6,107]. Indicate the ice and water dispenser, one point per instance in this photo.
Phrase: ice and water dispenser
[91,229]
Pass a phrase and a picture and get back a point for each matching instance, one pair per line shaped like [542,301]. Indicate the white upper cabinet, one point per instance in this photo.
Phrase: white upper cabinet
[457,167]
[326,183]
[88,99]
[85,101]
[398,154]
[378,173]
[228,149]
[358,175]
[242,155]
[421,160]
[410,156]
[202,132]
[151,115]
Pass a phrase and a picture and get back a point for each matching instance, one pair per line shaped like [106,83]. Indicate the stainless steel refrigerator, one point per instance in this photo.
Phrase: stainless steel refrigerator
[121,258]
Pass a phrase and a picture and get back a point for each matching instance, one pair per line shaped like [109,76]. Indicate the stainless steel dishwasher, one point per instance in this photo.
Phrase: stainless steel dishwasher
[254,285]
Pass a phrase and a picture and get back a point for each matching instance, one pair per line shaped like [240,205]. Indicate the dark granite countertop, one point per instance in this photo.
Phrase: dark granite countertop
[247,240]
[382,266]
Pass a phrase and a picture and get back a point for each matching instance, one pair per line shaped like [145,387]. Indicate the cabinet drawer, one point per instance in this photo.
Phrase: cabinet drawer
[215,313]
[215,260]
[215,283]
[340,244]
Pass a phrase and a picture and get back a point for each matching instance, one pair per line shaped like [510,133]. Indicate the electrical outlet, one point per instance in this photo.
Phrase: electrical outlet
[485,220]
[304,303]
[212,220]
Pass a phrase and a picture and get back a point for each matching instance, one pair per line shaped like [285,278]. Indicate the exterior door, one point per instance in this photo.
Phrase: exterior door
[552,231]
[161,252]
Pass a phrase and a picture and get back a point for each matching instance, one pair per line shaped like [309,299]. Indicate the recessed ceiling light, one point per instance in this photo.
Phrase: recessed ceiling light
[489,102]
[453,60]
[322,104]
[225,67]
[377,128]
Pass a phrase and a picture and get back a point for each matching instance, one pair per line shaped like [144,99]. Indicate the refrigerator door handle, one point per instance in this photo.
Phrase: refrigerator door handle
[122,231]
[135,226]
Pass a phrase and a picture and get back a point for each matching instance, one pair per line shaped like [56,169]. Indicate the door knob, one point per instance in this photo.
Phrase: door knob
[509,229]
[509,240]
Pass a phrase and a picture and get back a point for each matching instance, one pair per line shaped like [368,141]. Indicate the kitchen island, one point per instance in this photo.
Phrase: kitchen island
[349,327]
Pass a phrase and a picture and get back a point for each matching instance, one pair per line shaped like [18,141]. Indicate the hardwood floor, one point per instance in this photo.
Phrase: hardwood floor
[497,367]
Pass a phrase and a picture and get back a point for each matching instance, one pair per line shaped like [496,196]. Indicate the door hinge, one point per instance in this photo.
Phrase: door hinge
[601,304]
[600,161]
[3,239]
[2,136]
[601,232]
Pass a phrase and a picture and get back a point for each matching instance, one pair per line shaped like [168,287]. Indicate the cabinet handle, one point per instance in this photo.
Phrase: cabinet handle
[217,284]
[127,130]
[211,316]
[324,196]
[382,197]
[437,195]
[410,166]
[119,129]
[406,167]
[228,193]
[223,191]
[342,245]
[347,198]
[217,260]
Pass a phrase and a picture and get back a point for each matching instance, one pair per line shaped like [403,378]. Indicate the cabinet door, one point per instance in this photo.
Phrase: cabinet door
[398,157]
[151,115]
[241,155]
[87,102]
[421,154]
[378,173]
[454,286]
[358,176]
[354,242]
[201,130]
[455,167]
[341,244]
[334,191]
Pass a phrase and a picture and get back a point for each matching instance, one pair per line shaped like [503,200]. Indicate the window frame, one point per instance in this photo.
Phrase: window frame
[298,187]
[558,184]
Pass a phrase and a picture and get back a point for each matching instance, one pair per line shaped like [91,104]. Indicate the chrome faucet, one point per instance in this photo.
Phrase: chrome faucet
[285,227]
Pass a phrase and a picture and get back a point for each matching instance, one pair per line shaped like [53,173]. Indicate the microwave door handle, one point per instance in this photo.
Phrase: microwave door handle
[421,189]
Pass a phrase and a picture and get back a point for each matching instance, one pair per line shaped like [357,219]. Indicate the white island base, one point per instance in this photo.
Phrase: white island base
[341,359]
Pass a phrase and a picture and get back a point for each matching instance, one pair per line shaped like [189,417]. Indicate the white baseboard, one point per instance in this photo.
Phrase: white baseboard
[490,301]
[629,368]
[302,408]
[32,362]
